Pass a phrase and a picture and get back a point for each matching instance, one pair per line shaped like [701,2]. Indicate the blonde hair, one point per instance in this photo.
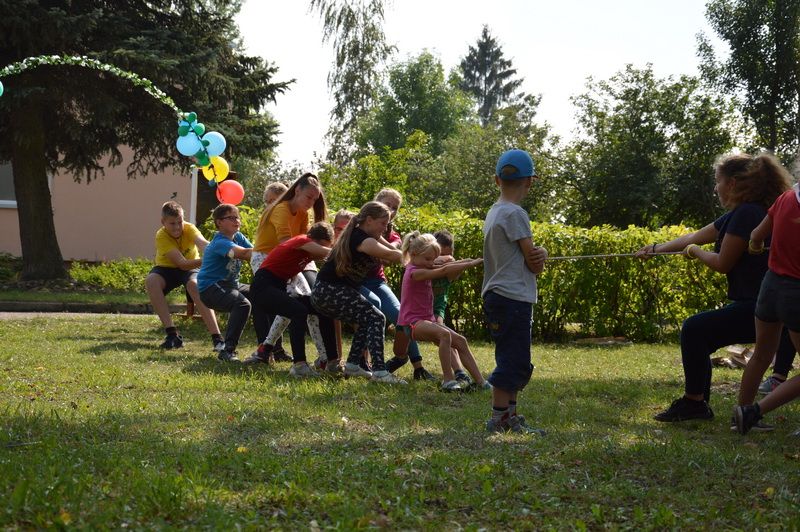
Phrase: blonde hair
[341,250]
[342,213]
[388,193]
[277,188]
[757,179]
[416,243]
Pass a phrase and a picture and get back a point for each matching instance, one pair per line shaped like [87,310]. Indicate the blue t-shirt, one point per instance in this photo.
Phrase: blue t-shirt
[217,265]
[744,279]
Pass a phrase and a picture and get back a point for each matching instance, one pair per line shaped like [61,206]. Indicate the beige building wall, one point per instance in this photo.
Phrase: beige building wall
[110,218]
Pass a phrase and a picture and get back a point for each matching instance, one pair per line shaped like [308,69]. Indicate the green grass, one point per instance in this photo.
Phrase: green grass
[123,298]
[102,430]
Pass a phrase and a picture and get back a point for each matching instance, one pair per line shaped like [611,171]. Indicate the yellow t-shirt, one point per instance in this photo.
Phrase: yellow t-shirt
[279,225]
[185,244]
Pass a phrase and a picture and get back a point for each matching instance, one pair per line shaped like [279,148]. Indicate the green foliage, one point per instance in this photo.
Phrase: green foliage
[487,76]
[126,275]
[10,266]
[417,97]
[601,297]
[762,68]
[646,152]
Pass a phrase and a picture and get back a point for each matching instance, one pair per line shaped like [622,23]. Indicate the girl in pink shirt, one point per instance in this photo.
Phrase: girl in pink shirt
[416,306]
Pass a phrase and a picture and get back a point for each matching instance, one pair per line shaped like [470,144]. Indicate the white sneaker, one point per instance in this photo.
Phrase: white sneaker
[386,377]
[333,368]
[354,370]
[302,370]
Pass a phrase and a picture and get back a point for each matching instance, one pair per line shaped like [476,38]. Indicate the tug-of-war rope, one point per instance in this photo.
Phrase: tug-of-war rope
[193,140]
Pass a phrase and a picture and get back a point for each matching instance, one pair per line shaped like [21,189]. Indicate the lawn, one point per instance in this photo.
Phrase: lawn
[100,429]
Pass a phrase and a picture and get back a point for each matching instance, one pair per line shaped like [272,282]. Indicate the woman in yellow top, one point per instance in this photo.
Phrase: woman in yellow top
[285,218]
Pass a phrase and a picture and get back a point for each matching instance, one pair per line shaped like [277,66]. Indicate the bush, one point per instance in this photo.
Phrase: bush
[126,275]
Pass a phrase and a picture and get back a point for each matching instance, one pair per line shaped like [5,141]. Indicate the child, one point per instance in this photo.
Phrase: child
[377,291]
[269,296]
[272,192]
[510,265]
[359,249]
[441,288]
[420,251]
[218,279]
[778,304]
[176,263]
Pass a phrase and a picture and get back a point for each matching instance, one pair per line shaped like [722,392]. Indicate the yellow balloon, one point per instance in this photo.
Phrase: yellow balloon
[218,169]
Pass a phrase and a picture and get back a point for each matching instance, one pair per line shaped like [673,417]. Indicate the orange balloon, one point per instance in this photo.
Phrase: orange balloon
[230,191]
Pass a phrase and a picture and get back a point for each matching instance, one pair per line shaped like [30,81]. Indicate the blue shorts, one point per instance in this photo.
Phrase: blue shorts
[174,277]
[779,300]
[510,327]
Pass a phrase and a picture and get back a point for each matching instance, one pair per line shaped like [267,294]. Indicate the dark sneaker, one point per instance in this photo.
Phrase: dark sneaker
[684,409]
[461,376]
[365,366]
[452,386]
[395,363]
[760,426]
[497,425]
[280,355]
[172,341]
[228,356]
[517,424]
[219,345]
[261,354]
[477,387]
[746,417]
[422,374]
[769,384]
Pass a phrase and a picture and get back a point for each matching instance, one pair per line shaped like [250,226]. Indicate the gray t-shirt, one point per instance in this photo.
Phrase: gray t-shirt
[504,269]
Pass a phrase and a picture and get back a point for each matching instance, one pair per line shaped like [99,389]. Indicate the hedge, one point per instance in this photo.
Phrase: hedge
[641,300]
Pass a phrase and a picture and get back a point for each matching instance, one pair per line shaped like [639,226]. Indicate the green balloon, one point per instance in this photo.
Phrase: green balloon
[183,131]
[1,88]
[202,158]
[199,129]
[205,142]
[191,117]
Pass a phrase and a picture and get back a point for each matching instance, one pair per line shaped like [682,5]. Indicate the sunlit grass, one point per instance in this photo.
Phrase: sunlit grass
[100,429]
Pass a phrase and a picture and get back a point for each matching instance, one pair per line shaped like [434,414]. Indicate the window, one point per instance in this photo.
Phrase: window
[7,197]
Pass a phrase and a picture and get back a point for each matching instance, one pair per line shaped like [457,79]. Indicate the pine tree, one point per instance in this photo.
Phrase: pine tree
[488,76]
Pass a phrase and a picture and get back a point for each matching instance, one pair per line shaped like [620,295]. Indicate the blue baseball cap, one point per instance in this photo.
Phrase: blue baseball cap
[520,160]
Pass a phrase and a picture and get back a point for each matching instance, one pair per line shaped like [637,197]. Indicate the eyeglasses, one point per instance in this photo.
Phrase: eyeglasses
[231,218]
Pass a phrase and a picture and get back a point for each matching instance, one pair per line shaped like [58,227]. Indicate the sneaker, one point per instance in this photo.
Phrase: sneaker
[365,365]
[769,384]
[172,341]
[451,386]
[262,354]
[385,377]
[395,363]
[684,409]
[302,371]
[497,425]
[461,376]
[320,363]
[476,387]
[332,367]
[219,345]
[228,356]
[354,370]
[517,424]
[422,374]
[760,426]
[746,417]
[279,354]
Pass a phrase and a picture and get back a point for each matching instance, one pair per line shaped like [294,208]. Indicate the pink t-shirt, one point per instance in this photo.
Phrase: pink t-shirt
[417,301]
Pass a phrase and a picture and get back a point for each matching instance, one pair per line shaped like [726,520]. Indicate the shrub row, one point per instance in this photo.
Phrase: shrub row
[642,300]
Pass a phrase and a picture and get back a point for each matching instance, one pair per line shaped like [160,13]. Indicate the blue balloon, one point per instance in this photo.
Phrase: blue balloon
[216,143]
[212,183]
[189,145]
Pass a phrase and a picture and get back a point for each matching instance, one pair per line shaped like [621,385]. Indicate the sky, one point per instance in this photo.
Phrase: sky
[554,46]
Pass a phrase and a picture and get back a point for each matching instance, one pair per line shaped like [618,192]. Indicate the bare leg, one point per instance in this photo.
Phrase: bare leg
[768,336]
[787,391]
[460,344]
[209,318]
[155,285]
[441,336]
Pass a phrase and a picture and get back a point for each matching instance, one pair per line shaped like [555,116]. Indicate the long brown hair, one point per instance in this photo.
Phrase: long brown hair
[341,250]
[304,181]
[758,179]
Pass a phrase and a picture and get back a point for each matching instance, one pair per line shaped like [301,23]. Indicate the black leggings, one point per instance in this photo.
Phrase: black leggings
[704,333]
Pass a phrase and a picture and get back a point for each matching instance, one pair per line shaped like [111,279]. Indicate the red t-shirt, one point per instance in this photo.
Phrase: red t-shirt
[287,259]
[784,250]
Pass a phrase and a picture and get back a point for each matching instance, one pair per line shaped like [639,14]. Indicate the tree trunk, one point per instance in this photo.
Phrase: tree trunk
[41,256]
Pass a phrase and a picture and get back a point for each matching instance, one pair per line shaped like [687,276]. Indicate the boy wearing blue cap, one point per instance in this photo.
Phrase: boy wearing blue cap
[510,265]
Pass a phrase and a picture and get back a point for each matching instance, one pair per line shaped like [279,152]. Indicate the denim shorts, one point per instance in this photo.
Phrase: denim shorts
[509,324]
[173,277]
[779,300]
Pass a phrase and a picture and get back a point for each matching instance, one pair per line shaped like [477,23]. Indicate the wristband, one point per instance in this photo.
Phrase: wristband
[654,248]
[755,250]
[688,250]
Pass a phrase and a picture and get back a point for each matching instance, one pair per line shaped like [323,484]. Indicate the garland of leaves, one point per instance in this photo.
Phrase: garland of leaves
[81,60]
